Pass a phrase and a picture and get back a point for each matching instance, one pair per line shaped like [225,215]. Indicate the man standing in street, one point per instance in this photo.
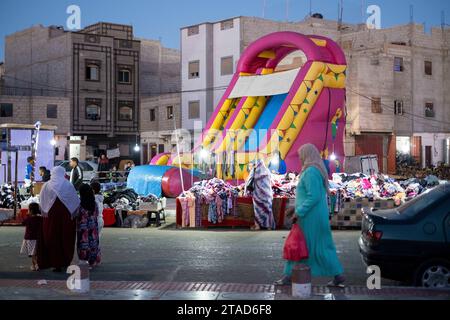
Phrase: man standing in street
[76,175]
[29,171]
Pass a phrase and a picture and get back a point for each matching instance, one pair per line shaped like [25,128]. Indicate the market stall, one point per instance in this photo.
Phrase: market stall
[216,203]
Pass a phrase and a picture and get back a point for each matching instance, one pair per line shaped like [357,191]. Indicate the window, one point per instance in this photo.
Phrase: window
[194,109]
[398,64]
[126,110]
[6,110]
[376,105]
[52,111]
[428,68]
[374,61]
[161,148]
[429,110]
[93,109]
[124,76]
[92,71]
[194,69]
[170,112]
[398,107]
[226,66]
[193,31]
[152,114]
[225,25]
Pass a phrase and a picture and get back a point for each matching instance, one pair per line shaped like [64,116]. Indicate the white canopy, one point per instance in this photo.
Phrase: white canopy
[264,85]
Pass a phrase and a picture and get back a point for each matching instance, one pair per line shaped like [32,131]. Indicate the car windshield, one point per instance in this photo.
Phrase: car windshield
[66,165]
[86,167]
[429,197]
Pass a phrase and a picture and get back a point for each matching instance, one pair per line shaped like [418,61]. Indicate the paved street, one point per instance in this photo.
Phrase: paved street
[184,255]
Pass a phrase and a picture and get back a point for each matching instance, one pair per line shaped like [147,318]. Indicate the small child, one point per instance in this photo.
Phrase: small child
[33,225]
[96,187]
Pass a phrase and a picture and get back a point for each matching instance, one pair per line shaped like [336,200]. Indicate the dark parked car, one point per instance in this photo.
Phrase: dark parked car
[411,243]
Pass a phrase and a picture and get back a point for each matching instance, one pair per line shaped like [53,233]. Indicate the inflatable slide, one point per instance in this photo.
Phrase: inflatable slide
[269,112]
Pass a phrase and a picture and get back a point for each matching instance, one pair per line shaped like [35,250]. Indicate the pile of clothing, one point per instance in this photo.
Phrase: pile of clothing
[151,198]
[7,197]
[26,203]
[126,200]
[379,187]
[217,194]
[285,185]
[414,186]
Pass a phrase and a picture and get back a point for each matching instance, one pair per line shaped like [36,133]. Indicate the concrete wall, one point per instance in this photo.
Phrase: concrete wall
[42,57]
[29,110]
[160,104]
[197,47]
[436,141]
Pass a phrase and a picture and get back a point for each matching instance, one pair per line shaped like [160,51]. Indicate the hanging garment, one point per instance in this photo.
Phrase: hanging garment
[263,197]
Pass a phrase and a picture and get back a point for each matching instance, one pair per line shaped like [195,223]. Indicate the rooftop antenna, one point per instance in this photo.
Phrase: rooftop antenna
[287,10]
[310,8]
[264,8]
[442,20]
[340,13]
[411,14]
[362,11]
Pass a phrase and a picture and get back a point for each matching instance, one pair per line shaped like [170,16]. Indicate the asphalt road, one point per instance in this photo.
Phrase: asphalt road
[185,255]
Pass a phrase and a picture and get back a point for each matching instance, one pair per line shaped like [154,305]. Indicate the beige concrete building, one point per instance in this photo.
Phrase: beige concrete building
[51,111]
[397,80]
[104,70]
[160,116]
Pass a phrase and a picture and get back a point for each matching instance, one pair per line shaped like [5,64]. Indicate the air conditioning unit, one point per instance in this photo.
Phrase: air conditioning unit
[375,62]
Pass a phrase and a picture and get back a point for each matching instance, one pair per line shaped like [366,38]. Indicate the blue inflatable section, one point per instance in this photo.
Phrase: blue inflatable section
[145,180]
[265,120]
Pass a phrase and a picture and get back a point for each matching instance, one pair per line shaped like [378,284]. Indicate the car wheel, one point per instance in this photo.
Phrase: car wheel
[433,274]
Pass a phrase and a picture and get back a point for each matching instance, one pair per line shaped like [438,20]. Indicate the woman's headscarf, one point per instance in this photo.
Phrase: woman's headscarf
[58,187]
[87,197]
[310,157]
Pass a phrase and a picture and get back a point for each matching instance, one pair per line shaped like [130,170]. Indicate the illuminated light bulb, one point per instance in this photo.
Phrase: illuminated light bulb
[53,142]
[275,161]
[137,148]
[203,154]
[333,157]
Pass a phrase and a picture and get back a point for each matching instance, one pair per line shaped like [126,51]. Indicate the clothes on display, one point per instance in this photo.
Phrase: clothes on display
[7,197]
[217,194]
[126,200]
[348,187]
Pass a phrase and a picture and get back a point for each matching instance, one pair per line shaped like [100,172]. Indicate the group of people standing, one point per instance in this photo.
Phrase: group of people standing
[62,220]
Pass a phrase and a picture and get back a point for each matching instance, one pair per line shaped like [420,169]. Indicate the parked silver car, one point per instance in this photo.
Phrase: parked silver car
[89,169]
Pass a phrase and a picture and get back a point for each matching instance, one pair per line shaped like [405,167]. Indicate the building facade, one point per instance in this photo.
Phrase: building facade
[397,87]
[159,120]
[103,69]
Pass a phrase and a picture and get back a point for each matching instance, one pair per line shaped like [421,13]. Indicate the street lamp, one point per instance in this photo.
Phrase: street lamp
[332,157]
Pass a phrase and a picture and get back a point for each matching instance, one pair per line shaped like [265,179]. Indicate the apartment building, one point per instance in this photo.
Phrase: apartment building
[396,89]
[102,69]
[160,111]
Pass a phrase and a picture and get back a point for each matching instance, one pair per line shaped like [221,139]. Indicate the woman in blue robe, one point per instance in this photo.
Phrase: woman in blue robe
[311,209]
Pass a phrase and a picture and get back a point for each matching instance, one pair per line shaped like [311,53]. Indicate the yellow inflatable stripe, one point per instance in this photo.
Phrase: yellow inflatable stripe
[267,54]
[319,42]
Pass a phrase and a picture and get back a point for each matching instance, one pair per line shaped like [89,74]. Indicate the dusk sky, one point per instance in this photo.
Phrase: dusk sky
[162,19]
